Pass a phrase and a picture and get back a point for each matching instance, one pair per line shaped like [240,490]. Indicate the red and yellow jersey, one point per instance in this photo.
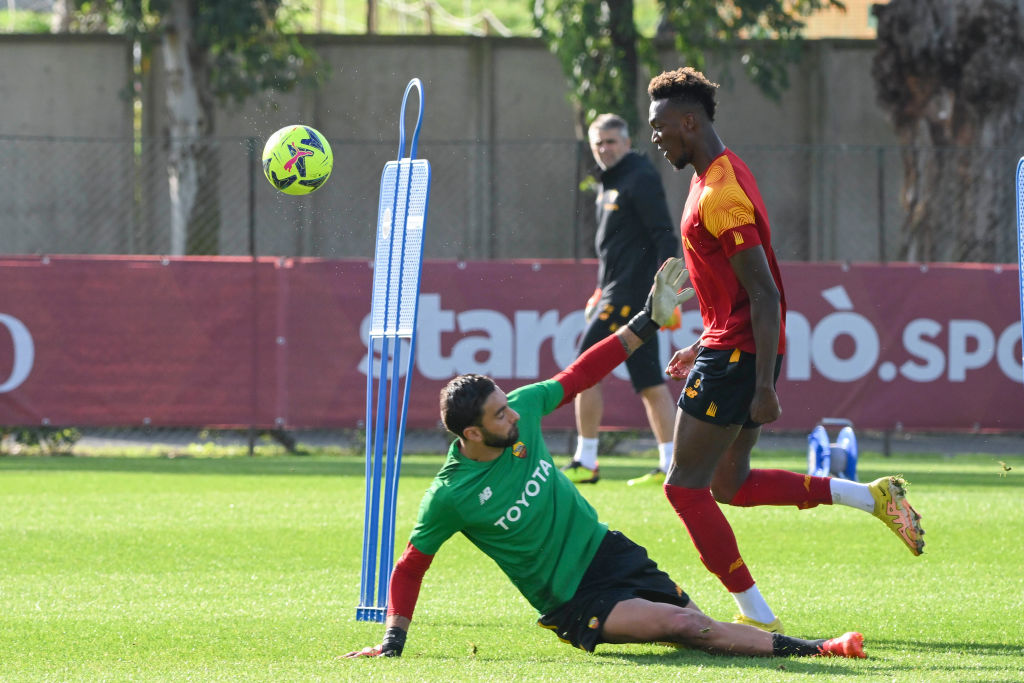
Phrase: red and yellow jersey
[724,215]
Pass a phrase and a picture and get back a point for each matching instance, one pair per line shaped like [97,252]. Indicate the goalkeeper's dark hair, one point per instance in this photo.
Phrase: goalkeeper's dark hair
[462,402]
[685,86]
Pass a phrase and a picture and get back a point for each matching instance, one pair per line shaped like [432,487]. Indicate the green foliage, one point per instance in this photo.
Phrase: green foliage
[764,35]
[439,17]
[597,48]
[590,39]
[228,569]
[253,48]
[47,440]
[24,21]
[245,47]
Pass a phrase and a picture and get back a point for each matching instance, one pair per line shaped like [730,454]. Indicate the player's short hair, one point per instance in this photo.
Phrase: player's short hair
[607,121]
[685,86]
[462,401]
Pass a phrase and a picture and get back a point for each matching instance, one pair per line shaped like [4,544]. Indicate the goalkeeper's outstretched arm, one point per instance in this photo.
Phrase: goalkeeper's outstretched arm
[403,592]
[595,363]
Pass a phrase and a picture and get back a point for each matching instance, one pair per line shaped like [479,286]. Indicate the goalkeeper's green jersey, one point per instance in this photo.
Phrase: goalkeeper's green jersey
[519,509]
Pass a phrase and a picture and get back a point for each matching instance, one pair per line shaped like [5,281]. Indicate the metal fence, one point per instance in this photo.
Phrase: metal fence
[111,196]
[515,199]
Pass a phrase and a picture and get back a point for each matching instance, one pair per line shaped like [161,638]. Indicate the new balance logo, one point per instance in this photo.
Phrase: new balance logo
[691,391]
[485,495]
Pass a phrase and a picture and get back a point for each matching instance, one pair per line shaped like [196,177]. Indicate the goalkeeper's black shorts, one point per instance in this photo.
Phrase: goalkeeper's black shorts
[619,571]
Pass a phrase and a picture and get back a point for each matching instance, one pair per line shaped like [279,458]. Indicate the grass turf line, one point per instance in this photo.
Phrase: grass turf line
[248,568]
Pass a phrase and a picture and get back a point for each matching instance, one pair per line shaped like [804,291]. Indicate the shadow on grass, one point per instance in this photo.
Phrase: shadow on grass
[833,667]
[744,667]
[748,665]
[959,646]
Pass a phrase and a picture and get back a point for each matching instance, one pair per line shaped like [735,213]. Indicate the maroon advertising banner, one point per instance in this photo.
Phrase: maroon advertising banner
[234,342]
[132,341]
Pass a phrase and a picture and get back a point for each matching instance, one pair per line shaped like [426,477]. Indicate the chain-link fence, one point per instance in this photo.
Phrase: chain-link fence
[515,199]
[110,196]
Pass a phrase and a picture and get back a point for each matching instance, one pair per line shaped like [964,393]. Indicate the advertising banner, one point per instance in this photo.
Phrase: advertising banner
[226,342]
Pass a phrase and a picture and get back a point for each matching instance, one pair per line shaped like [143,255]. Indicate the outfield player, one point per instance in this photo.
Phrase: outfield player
[501,489]
[634,235]
[731,369]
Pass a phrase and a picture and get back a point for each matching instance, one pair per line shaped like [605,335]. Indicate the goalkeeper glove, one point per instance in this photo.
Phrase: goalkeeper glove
[394,642]
[666,293]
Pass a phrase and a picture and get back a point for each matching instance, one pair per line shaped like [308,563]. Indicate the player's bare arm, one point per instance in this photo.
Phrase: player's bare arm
[682,361]
[751,268]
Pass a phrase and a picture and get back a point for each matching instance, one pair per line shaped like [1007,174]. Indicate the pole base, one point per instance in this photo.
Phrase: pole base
[371,614]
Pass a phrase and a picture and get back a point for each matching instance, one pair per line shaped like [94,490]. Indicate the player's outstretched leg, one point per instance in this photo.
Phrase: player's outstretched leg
[891,507]
[885,497]
[736,639]
[641,621]
[849,644]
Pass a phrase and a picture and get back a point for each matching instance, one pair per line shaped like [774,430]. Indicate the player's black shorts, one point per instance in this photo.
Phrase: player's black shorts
[720,386]
[619,571]
[644,364]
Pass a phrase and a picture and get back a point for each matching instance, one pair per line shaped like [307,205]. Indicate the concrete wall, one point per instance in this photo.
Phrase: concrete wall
[498,131]
[65,145]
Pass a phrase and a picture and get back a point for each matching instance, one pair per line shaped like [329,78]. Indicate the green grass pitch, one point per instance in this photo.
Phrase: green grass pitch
[237,568]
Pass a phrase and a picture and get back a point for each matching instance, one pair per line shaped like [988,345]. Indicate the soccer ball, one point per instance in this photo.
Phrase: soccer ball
[297,160]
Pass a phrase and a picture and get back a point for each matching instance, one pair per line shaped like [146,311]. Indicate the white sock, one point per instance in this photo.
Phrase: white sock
[586,452]
[752,605]
[846,492]
[665,453]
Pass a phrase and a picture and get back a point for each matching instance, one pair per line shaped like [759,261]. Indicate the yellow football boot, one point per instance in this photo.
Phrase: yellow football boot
[580,474]
[774,626]
[653,478]
[891,507]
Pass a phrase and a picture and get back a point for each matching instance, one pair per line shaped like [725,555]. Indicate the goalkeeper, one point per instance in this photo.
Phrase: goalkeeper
[501,489]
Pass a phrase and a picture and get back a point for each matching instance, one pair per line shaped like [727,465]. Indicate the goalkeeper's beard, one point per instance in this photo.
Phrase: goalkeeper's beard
[496,441]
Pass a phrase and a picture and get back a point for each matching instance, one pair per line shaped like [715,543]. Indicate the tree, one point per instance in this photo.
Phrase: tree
[211,50]
[601,52]
[601,49]
[949,73]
